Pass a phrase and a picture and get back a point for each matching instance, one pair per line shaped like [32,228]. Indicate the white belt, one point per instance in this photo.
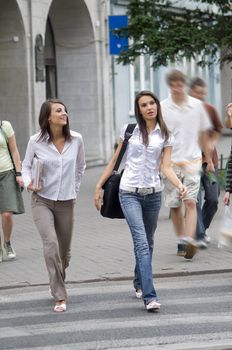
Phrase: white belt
[143,191]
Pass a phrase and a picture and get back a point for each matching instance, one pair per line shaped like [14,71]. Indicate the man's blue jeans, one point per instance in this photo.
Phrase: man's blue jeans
[206,212]
[141,213]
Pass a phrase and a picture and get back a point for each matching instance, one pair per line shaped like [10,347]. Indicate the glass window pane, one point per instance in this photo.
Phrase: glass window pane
[147,72]
[137,75]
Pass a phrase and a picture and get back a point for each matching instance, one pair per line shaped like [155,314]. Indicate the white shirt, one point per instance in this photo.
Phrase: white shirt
[142,164]
[62,172]
[185,123]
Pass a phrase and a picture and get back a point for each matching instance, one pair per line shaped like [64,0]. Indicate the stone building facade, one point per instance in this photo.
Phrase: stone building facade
[60,48]
[57,48]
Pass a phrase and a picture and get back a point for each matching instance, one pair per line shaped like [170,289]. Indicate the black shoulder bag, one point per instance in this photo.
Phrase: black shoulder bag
[111,207]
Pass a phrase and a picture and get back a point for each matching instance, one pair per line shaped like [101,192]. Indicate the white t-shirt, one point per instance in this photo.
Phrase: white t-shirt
[185,123]
[5,159]
[142,164]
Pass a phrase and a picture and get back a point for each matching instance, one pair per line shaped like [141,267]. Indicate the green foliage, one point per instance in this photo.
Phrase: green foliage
[168,32]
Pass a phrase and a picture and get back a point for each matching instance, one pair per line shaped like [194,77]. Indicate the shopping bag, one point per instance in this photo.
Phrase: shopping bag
[225,235]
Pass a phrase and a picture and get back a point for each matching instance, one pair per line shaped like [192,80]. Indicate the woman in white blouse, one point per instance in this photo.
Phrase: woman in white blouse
[140,187]
[61,152]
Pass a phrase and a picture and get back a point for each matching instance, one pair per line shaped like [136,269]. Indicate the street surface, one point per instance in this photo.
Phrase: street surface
[102,248]
[103,313]
[196,313]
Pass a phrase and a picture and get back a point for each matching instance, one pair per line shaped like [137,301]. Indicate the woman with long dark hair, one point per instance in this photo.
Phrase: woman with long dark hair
[61,153]
[149,149]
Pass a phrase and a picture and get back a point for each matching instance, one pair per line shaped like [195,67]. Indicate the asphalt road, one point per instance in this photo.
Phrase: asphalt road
[196,313]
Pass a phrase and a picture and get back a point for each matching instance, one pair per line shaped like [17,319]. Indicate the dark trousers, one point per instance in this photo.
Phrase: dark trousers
[206,212]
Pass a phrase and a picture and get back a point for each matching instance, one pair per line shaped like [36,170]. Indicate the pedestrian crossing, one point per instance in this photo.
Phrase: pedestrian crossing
[196,313]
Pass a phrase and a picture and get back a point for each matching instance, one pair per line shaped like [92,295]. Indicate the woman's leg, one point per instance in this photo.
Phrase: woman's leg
[132,207]
[151,208]
[7,225]
[42,211]
[64,220]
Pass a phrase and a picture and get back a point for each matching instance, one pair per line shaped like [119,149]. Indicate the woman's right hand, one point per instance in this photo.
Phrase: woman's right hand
[31,187]
[226,198]
[98,198]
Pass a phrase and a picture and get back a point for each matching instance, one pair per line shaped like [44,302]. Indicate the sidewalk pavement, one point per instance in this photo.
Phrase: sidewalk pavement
[102,248]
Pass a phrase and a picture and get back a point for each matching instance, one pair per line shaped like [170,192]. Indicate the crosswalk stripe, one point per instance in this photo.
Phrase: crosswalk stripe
[110,317]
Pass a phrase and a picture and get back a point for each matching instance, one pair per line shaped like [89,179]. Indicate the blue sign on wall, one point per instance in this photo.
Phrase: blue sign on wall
[117,44]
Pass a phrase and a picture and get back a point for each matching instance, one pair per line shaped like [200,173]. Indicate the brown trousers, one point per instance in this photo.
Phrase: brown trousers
[54,221]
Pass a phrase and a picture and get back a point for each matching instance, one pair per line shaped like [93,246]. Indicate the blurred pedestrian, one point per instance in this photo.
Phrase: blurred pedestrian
[209,181]
[11,182]
[225,237]
[187,119]
[228,190]
[140,187]
[61,152]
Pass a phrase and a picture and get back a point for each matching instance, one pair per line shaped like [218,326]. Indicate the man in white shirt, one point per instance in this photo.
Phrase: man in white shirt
[187,119]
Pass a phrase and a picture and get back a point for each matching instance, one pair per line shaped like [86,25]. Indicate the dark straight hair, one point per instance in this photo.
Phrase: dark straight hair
[141,121]
[44,114]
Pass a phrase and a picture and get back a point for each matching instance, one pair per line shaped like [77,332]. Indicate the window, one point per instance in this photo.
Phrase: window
[141,78]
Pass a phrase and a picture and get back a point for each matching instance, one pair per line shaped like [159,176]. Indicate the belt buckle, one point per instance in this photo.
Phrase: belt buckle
[145,191]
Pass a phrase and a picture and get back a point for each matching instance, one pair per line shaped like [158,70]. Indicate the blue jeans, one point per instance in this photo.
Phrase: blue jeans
[206,212]
[141,213]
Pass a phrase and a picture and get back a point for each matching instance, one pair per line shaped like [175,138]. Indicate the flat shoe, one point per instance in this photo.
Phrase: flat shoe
[153,306]
[138,293]
[60,308]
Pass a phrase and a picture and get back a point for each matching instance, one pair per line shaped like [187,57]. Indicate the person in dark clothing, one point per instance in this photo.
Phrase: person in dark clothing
[209,181]
[228,124]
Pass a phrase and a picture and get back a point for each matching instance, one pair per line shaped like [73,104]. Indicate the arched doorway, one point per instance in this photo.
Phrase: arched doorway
[50,62]
[70,42]
[13,71]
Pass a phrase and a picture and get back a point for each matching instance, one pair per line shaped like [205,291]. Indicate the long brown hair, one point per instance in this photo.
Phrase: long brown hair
[141,121]
[44,114]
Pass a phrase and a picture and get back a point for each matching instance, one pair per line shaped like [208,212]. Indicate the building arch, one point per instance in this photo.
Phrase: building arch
[76,68]
[50,62]
[13,70]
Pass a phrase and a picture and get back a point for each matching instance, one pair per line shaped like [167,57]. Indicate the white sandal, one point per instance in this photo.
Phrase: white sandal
[50,292]
[138,293]
[60,307]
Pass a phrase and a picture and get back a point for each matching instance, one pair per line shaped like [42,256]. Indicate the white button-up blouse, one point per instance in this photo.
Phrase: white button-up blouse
[62,172]
[142,164]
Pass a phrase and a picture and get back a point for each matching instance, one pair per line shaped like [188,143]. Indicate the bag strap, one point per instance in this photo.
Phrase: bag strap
[5,136]
[128,133]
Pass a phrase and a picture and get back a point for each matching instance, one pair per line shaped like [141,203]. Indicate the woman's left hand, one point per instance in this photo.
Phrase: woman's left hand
[19,181]
[183,190]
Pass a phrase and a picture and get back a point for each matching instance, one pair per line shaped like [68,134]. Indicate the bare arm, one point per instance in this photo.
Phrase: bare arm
[16,158]
[168,171]
[228,118]
[104,177]
[207,147]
